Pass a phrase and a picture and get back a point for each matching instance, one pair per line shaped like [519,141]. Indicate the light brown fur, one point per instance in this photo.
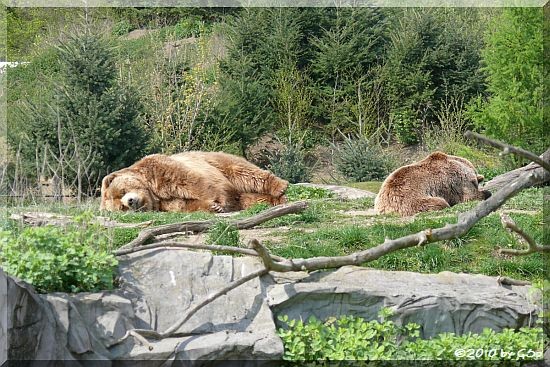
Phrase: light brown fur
[434,183]
[191,181]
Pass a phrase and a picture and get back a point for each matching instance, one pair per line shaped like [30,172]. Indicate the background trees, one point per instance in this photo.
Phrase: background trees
[308,77]
[513,60]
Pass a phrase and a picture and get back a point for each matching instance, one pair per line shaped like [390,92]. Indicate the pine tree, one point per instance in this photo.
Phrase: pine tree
[92,118]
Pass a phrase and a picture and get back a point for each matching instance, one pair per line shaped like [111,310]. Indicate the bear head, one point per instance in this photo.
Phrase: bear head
[125,190]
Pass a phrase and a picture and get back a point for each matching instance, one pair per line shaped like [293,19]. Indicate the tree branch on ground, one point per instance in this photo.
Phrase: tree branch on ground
[200,226]
[196,246]
[508,223]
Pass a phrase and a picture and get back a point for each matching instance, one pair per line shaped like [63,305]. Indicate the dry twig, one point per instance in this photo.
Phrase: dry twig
[509,224]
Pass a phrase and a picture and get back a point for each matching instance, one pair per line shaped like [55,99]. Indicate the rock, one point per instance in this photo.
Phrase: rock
[343,192]
[444,302]
[159,285]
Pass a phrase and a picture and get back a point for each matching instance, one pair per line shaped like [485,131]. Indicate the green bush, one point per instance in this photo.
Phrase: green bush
[121,28]
[223,234]
[299,192]
[290,163]
[52,259]
[353,338]
[361,160]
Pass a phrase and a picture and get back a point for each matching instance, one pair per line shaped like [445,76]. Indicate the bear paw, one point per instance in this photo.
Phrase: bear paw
[217,208]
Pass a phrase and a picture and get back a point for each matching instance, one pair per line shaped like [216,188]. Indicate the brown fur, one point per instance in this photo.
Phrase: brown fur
[436,182]
[191,181]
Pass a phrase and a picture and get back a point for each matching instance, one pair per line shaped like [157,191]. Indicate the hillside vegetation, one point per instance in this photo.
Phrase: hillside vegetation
[322,94]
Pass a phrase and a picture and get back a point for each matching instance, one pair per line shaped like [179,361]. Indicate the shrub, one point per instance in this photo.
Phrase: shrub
[290,163]
[52,259]
[361,160]
[223,234]
[121,28]
[299,192]
[351,338]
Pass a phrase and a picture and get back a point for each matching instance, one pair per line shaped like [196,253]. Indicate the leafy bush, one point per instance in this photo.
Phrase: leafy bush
[361,160]
[74,259]
[290,163]
[223,234]
[299,192]
[121,28]
[351,338]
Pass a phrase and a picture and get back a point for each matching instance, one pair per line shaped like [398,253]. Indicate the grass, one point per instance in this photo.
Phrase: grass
[325,229]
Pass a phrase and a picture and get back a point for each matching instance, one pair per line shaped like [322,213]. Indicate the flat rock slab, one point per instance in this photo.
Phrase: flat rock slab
[343,192]
[444,302]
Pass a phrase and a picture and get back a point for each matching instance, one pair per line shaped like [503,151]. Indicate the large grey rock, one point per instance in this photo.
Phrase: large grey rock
[444,302]
[158,286]
[342,192]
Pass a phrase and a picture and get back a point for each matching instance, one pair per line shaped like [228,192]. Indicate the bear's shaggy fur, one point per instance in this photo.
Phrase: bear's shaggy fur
[436,182]
[191,181]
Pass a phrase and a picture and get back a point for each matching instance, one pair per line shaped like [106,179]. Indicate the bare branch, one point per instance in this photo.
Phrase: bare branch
[201,226]
[507,149]
[509,224]
[197,246]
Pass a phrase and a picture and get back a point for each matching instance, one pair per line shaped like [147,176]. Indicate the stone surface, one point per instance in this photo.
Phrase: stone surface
[444,302]
[343,192]
[158,286]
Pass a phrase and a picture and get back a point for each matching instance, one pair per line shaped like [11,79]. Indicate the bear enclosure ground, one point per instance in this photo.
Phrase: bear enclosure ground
[333,227]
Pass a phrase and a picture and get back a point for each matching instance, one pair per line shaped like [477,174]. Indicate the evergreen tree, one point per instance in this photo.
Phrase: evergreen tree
[92,118]
[514,60]
[434,56]
[345,54]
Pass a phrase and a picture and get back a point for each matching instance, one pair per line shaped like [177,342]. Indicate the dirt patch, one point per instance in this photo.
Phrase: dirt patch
[138,33]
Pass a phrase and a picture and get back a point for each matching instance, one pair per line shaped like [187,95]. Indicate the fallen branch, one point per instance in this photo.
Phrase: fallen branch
[38,219]
[201,226]
[196,246]
[510,281]
[508,149]
[533,247]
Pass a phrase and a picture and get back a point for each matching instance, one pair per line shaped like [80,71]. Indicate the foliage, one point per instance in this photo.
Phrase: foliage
[513,59]
[300,192]
[121,28]
[181,98]
[89,125]
[362,160]
[353,338]
[433,56]
[74,259]
[289,162]
[224,234]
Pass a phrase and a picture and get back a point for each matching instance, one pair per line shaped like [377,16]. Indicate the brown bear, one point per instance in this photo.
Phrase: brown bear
[438,181]
[191,181]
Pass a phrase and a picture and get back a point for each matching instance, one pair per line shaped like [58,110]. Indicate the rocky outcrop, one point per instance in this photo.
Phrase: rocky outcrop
[157,286]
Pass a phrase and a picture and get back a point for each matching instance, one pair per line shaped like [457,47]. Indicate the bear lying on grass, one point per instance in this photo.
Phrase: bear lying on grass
[436,182]
[191,181]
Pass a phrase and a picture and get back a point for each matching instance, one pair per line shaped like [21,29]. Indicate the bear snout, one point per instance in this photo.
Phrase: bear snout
[486,194]
[131,200]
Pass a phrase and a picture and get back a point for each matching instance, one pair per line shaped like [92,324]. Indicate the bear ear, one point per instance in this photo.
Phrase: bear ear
[107,180]
[480,178]
[438,155]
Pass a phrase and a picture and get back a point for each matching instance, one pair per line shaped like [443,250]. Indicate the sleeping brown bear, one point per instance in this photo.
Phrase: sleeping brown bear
[191,181]
[436,182]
